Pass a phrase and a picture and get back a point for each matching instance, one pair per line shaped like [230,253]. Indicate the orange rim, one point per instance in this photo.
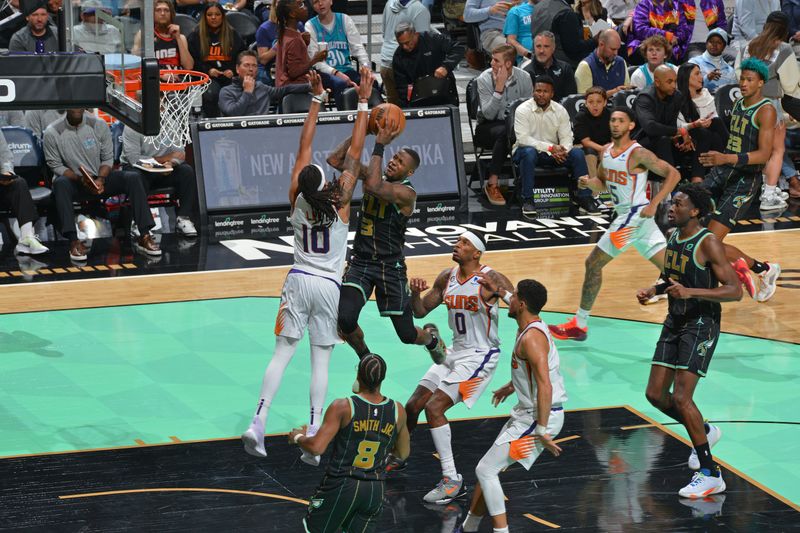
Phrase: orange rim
[133,82]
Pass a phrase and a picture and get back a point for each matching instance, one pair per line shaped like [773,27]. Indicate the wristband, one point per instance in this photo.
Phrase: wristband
[661,286]
[505,297]
[683,131]
[378,150]
[540,430]
[319,98]
[297,437]
[742,159]
[550,148]
[363,106]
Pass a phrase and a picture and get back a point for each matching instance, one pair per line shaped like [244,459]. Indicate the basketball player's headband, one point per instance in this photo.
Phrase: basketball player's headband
[322,180]
[475,240]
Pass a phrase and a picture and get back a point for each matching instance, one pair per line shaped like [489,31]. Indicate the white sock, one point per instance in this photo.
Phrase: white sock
[500,530]
[441,439]
[320,357]
[284,350]
[471,523]
[769,189]
[26,230]
[581,317]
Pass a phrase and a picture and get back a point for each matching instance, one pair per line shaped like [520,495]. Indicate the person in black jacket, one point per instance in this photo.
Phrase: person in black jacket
[656,110]
[419,55]
[544,63]
[558,17]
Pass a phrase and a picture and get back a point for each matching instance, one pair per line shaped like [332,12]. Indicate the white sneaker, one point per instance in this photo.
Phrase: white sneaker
[772,202]
[253,439]
[706,508]
[768,282]
[783,195]
[703,485]
[446,491]
[31,245]
[713,436]
[186,228]
[306,457]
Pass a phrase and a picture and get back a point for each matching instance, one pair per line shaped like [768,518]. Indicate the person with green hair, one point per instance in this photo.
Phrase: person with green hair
[736,177]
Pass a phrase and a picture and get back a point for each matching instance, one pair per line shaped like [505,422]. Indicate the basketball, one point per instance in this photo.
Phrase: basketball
[379,115]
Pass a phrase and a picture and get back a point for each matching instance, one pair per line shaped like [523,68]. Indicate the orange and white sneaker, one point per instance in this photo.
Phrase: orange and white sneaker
[768,282]
[703,484]
[446,491]
[743,273]
[569,331]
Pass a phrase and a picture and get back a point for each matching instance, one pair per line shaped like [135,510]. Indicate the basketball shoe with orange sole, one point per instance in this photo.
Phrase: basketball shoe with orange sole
[569,331]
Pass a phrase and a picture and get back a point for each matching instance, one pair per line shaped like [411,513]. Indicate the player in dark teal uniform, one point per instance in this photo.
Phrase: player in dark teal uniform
[378,259]
[364,429]
[736,177]
[696,277]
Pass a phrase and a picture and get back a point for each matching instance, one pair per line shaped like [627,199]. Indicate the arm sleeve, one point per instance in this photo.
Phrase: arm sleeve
[646,117]
[313,48]
[356,42]
[569,85]
[491,106]
[722,20]
[6,157]
[569,27]
[474,14]
[794,21]
[232,104]
[279,92]
[583,77]
[747,22]
[581,127]
[402,79]
[52,154]
[131,146]
[511,27]
[565,138]
[16,44]
[641,22]
[638,79]
[103,133]
[194,50]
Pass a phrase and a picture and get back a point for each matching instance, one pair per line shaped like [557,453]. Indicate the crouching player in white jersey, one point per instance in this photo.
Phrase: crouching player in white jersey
[310,297]
[471,359]
[623,170]
[539,414]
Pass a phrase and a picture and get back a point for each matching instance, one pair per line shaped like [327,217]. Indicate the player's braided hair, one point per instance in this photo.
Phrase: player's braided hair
[699,196]
[325,203]
[371,371]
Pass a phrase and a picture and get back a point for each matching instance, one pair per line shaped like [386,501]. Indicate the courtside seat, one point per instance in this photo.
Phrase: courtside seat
[350,99]
[296,103]
[625,98]
[724,98]
[29,161]
[482,153]
[573,104]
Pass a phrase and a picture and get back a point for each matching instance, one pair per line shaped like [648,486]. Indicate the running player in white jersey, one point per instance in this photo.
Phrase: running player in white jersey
[539,414]
[471,359]
[310,297]
[623,170]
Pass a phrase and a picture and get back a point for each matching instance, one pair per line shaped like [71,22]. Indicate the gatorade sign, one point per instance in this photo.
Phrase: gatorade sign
[8,91]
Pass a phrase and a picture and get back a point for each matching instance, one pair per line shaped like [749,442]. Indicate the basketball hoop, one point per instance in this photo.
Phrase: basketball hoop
[180,89]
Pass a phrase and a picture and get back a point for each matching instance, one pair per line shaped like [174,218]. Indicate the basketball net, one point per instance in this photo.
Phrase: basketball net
[180,89]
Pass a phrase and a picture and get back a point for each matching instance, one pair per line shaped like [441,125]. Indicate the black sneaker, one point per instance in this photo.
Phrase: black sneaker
[529,209]
[588,204]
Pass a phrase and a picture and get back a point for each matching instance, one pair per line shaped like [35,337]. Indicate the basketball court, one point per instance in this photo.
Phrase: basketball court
[127,379]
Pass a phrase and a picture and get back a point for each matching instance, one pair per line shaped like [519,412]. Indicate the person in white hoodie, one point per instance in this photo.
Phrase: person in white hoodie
[395,12]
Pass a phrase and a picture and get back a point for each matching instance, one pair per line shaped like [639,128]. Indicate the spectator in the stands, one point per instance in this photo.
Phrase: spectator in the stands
[659,17]
[589,12]
[715,70]
[603,67]
[770,46]
[656,111]
[52,11]
[267,46]
[15,195]
[337,33]
[702,16]
[792,10]
[93,35]
[293,62]
[423,55]
[490,16]
[194,8]
[246,96]
[37,120]
[81,140]
[544,139]
[37,35]
[699,115]
[12,118]
[214,46]
[136,147]
[618,10]
[517,29]
[656,51]
[591,127]
[395,12]
[557,16]
[498,86]
[171,47]
[544,63]
[749,17]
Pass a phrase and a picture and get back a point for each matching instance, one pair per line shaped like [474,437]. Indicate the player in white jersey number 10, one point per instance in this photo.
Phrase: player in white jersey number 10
[471,359]
[623,170]
[310,297]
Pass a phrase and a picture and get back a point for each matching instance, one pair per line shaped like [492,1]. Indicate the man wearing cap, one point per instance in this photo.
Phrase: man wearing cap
[37,36]
[471,360]
[93,34]
[716,71]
